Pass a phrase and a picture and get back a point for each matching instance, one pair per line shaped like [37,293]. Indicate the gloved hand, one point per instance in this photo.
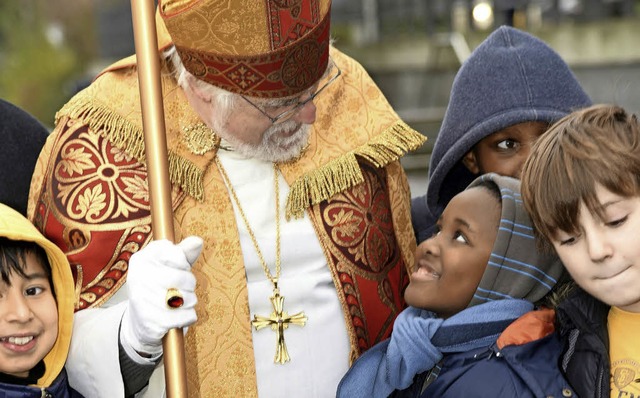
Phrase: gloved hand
[159,266]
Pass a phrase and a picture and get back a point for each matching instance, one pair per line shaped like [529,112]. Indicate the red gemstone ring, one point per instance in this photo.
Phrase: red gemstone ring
[174,298]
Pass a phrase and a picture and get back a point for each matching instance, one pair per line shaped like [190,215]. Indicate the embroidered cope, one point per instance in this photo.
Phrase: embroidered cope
[346,248]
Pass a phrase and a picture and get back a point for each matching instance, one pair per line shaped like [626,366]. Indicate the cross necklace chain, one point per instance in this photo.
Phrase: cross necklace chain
[279,320]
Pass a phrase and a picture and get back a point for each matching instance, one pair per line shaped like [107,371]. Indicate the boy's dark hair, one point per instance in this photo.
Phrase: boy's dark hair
[597,145]
[13,259]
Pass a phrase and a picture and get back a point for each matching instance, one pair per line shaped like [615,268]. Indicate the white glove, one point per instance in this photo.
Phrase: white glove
[159,266]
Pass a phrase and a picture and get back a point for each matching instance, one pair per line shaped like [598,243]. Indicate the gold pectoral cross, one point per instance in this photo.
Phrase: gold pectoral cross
[279,320]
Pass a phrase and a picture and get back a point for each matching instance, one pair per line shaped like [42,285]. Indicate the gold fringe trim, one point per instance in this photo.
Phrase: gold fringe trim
[322,183]
[130,138]
[344,172]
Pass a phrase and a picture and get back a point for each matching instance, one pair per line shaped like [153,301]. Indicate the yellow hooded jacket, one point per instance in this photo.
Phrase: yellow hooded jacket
[14,226]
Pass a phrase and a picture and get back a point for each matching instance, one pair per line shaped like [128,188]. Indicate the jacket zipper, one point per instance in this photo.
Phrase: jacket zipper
[600,377]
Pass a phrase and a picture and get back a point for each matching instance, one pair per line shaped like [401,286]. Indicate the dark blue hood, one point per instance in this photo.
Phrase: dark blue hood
[510,78]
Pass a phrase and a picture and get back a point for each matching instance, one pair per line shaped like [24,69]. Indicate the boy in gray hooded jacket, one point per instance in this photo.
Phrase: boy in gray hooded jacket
[512,87]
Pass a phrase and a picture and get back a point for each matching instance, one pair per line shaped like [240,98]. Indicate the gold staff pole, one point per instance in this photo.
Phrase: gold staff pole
[144,30]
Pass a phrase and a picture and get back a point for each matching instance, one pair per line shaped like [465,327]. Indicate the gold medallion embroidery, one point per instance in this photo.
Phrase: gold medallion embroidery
[199,138]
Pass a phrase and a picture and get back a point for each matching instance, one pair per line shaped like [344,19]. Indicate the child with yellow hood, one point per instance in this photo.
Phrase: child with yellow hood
[37,303]
[36,311]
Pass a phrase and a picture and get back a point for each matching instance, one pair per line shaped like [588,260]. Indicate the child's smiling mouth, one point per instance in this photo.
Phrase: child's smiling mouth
[424,270]
[18,343]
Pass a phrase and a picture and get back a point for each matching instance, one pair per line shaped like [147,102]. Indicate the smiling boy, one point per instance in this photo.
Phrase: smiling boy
[37,301]
[473,314]
[581,186]
[36,311]
[449,266]
[28,310]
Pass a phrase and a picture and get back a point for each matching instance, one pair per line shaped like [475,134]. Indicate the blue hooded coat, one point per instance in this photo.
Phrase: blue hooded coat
[511,77]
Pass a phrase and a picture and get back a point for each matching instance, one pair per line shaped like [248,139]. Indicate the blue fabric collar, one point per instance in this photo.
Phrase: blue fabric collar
[418,342]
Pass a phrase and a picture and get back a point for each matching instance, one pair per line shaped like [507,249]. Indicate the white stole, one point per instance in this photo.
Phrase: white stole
[319,350]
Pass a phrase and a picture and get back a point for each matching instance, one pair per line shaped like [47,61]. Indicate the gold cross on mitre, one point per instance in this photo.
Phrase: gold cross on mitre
[279,320]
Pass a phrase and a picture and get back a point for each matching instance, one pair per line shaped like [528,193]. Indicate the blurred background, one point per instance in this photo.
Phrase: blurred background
[50,49]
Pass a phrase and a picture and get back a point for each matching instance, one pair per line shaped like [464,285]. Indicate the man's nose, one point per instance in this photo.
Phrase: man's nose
[307,114]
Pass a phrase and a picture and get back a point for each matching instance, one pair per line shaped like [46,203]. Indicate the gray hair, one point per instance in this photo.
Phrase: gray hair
[224,100]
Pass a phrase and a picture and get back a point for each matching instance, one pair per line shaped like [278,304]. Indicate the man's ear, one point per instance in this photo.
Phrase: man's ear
[197,90]
[470,162]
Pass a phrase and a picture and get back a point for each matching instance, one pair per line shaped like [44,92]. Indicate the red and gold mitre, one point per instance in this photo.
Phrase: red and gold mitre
[258,48]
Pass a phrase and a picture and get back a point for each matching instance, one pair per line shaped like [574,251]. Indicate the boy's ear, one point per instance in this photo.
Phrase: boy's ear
[470,162]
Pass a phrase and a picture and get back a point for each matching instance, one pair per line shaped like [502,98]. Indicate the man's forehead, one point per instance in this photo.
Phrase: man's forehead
[290,98]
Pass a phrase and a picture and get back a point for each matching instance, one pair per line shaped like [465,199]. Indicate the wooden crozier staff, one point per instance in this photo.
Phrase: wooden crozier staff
[145,35]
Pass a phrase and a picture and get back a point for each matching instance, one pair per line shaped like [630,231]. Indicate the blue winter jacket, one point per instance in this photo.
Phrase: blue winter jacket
[528,370]
[523,362]
[58,389]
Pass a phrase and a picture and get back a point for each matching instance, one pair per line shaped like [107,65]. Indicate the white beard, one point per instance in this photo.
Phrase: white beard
[272,147]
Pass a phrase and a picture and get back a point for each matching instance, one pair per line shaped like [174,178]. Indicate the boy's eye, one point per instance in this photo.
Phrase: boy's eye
[507,144]
[616,223]
[33,291]
[459,237]
[436,231]
[568,241]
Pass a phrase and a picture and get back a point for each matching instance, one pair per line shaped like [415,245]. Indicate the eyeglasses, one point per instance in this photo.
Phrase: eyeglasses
[293,109]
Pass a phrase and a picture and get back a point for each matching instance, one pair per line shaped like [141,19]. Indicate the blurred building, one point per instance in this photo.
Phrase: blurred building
[413,48]
[382,19]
